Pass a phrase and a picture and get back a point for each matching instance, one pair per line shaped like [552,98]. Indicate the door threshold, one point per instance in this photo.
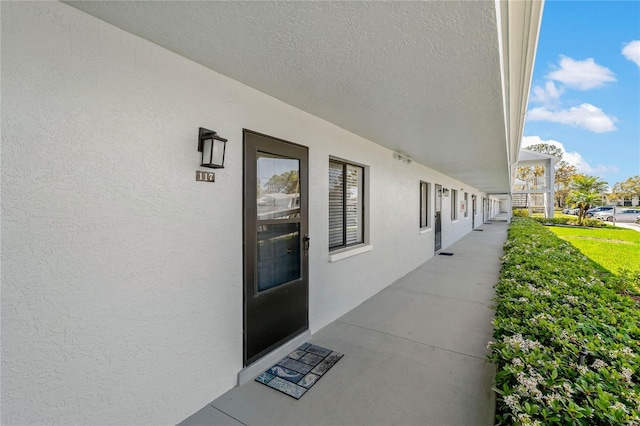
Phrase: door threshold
[252,371]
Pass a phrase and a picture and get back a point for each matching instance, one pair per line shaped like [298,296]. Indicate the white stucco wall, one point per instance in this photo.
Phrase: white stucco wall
[121,275]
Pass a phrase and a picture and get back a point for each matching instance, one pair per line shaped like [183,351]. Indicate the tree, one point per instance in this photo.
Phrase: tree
[627,189]
[586,191]
[564,174]
[523,173]
[284,183]
[545,148]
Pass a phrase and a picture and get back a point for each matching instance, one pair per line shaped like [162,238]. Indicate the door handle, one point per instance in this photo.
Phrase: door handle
[306,240]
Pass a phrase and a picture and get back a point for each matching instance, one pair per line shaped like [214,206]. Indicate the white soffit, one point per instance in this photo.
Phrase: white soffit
[423,78]
[528,156]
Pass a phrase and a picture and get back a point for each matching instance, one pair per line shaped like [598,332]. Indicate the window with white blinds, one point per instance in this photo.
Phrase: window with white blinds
[346,204]
[454,204]
[424,205]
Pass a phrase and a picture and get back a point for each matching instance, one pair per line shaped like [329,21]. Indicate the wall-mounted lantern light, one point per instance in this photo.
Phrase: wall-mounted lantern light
[212,148]
[445,192]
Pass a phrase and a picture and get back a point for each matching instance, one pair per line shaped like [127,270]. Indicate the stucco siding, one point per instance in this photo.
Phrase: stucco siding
[122,275]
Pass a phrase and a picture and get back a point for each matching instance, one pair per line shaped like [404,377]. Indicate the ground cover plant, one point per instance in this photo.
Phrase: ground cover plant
[559,219]
[567,345]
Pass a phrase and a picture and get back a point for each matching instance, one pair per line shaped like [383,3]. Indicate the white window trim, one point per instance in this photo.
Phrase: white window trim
[455,213]
[425,229]
[347,252]
[336,255]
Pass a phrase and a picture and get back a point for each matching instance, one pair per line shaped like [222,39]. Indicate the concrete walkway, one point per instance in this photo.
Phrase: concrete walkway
[634,226]
[414,354]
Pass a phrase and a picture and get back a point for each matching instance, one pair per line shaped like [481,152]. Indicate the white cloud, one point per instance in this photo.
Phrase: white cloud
[581,75]
[586,116]
[548,94]
[573,158]
[632,51]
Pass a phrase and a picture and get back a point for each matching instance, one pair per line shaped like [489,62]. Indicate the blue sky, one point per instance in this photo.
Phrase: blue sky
[585,93]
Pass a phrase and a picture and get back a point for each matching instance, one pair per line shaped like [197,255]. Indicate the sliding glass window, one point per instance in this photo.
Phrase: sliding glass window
[346,204]
[424,205]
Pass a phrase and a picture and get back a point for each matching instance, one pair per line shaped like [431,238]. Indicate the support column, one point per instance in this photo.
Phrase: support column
[552,188]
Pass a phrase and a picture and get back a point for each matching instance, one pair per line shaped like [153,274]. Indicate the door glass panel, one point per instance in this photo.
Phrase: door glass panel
[278,187]
[278,254]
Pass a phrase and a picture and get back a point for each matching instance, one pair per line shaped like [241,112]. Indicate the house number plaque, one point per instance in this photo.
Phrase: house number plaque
[205,176]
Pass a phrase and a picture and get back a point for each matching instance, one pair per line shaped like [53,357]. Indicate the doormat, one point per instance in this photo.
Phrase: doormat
[444,253]
[479,230]
[296,373]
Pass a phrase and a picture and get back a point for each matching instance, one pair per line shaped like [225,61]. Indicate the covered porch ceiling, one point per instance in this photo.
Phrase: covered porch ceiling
[444,82]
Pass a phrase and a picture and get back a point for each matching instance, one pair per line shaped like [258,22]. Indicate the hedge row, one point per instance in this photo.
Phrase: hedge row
[591,223]
[567,346]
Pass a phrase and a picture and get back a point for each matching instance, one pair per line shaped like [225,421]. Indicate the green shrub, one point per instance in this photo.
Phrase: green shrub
[521,213]
[552,303]
[591,223]
[627,281]
[553,220]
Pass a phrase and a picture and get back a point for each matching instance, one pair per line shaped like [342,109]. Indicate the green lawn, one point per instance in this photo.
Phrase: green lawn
[612,248]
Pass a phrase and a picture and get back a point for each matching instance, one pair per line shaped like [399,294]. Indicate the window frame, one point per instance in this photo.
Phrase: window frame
[466,204]
[424,217]
[454,205]
[345,164]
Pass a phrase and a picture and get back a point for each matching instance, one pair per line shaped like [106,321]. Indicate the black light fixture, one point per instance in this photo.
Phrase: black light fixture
[446,192]
[402,157]
[212,148]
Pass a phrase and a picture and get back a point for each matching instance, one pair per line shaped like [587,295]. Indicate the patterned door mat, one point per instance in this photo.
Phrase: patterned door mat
[296,373]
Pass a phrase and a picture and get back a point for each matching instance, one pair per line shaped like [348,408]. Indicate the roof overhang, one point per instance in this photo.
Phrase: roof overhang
[443,82]
[528,158]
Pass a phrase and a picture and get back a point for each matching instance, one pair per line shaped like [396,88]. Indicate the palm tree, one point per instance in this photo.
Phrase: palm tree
[585,192]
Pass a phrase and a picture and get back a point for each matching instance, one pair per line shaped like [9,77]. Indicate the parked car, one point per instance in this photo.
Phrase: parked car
[599,209]
[572,211]
[622,215]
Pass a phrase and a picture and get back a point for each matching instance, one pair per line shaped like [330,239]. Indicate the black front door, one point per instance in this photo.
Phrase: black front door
[276,283]
[437,223]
